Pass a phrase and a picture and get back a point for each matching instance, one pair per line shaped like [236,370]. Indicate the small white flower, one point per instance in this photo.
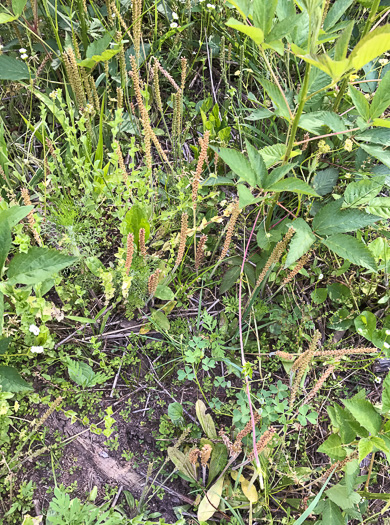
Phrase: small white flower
[24,56]
[53,95]
[22,50]
[383,61]
[378,380]
[387,332]
[321,276]
[360,330]
[211,6]
[173,25]
[174,16]
[37,349]
[34,329]
[386,345]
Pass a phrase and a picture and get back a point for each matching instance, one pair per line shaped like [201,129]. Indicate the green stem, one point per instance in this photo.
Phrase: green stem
[371,17]
[292,134]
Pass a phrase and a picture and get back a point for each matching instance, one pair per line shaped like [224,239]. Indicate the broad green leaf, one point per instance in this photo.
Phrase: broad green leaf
[18,6]
[37,265]
[364,413]
[175,413]
[319,295]
[218,461]
[81,373]
[277,99]
[242,6]
[332,514]
[371,46]
[301,242]
[250,492]
[378,153]
[334,68]
[332,446]
[99,45]
[351,249]
[245,196]
[380,122]
[332,219]
[376,136]
[164,293]
[1,313]
[365,447]
[205,420]
[380,444]
[95,59]
[263,14]
[344,422]
[294,185]
[135,219]
[5,243]
[161,320]
[365,324]
[229,279]
[361,192]
[276,175]
[255,33]
[283,28]
[94,265]
[11,380]
[335,13]
[360,102]
[14,214]
[342,44]
[239,164]
[386,394]
[257,164]
[317,122]
[339,495]
[275,154]
[259,114]
[210,501]
[381,100]
[4,343]
[5,19]
[181,462]
[12,69]
[325,180]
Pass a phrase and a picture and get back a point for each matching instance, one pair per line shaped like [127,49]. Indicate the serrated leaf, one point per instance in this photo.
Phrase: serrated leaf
[360,101]
[95,59]
[339,495]
[181,462]
[4,343]
[277,99]
[81,373]
[332,446]
[364,413]
[295,186]
[378,153]
[205,420]
[336,11]
[229,279]
[386,394]
[332,514]
[5,18]
[365,324]
[318,121]
[364,447]
[37,265]
[325,180]
[12,69]
[274,154]
[18,6]
[301,242]
[351,249]
[239,164]
[257,164]
[332,219]
[380,206]
[255,33]
[361,192]
[245,197]
[210,502]
[277,174]
[371,46]
[11,380]
[263,14]
[376,136]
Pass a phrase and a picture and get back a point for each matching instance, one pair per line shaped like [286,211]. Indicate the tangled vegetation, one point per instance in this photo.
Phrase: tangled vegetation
[194,245]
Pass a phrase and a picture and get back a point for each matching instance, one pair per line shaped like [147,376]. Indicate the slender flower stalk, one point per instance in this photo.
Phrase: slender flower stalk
[142,246]
[153,282]
[319,384]
[204,144]
[303,362]
[230,230]
[30,216]
[200,252]
[183,239]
